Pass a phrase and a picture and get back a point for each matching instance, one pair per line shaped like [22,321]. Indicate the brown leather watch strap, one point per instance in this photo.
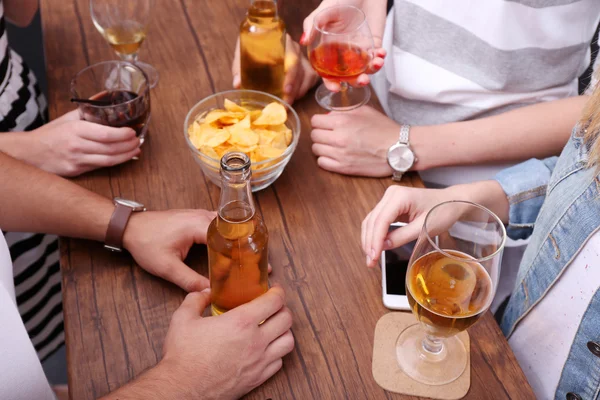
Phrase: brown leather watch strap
[116,227]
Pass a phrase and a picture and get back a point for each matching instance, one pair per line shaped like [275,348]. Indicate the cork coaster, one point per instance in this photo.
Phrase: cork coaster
[387,372]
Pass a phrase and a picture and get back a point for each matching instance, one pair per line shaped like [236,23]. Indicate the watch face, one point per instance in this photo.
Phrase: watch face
[400,157]
[128,203]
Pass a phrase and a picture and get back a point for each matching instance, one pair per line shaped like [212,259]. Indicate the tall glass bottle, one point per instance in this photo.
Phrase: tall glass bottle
[262,48]
[237,240]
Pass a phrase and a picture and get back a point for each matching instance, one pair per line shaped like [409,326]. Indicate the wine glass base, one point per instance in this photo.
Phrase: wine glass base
[344,100]
[151,73]
[430,368]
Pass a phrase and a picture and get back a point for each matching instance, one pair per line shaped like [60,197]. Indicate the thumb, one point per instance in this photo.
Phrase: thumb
[406,234]
[235,66]
[184,277]
[194,304]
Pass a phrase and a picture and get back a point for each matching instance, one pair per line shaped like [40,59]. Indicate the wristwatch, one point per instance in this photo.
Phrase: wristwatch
[400,156]
[116,227]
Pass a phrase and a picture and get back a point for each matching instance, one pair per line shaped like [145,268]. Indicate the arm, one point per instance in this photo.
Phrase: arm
[540,130]
[20,12]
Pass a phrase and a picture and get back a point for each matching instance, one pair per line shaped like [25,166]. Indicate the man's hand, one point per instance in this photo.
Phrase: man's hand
[159,241]
[354,142]
[299,75]
[411,205]
[375,14]
[69,146]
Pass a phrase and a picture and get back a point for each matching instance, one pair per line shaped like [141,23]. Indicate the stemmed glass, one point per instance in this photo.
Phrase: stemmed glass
[340,49]
[123,24]
[450,283]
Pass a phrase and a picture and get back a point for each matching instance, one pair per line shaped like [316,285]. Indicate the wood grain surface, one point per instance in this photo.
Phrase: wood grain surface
[116,315]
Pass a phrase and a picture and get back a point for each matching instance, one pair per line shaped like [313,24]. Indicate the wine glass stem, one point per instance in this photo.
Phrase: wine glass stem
[433,344]
[132,58]
[343,86]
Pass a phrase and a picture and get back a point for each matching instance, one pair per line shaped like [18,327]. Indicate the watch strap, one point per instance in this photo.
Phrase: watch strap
[116,227]
[404,134]
[397,176]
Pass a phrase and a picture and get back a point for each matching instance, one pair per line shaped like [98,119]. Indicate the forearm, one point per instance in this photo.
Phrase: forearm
[20,12]
[486,193]
[536,131]
[32,200]
[20,145]
[375,13]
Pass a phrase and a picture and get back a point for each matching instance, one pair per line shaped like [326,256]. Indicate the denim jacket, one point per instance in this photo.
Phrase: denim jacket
[556,202]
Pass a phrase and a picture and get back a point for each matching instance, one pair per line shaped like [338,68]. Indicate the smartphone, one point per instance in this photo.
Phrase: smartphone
[394,264]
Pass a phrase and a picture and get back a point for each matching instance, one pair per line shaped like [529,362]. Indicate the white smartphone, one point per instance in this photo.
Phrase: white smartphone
[394,264]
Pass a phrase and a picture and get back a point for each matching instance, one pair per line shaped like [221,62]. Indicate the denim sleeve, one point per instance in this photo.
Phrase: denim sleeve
[525,187]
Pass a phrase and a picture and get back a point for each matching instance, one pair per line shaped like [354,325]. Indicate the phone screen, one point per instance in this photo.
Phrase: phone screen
[396,264]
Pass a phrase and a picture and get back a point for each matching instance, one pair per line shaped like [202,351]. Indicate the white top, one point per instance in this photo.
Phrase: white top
[542,340]
[21,374]
[457,60]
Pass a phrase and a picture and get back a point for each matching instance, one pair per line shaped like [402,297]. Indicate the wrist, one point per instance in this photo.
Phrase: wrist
[129,234]
[20,145]
[486,193]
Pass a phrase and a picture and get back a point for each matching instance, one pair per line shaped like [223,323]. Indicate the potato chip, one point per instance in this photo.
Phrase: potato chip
[261,134]
[233,107]
[272,114]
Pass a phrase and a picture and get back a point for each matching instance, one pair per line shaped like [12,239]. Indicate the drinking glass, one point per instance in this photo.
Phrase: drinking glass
[450,283]
[123,24]
[340,49]
[113,93]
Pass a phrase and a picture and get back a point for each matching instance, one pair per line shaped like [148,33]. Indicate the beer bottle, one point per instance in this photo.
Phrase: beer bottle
[237,240]
[262,48]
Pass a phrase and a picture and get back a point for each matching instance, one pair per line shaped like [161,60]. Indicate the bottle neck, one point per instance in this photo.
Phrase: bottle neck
[236,203]
[263,11]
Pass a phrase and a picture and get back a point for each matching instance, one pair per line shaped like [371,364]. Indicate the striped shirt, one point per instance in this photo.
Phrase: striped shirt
[465,59]
[34,256]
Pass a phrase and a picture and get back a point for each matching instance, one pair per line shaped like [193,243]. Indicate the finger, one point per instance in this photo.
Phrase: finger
[324,121]
[263,307]
[375,65]
[324,150]
[277,325]
[183,276]
[194,304]
[329,137]
[368,249]
[380,52]
[115,148]
[269,371]
[290,81]
[405,234]
[363,231]
[332,85]
[269,268]
[104,160]
[381,224]
[329,164]
[104,134]
[200,226]
[281,346]
[235,66]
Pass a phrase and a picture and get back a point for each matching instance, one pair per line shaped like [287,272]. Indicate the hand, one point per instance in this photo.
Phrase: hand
[299,75]
[227,356]
[159,241]
[354,142]
[69,146]
[375,15]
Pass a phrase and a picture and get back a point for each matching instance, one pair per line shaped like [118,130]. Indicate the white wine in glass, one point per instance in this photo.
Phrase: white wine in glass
[123,24]
[450,283]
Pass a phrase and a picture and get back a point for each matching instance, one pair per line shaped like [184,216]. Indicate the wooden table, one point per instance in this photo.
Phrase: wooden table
[116,315]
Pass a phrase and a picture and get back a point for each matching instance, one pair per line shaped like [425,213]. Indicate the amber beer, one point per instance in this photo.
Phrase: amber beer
[446,294]
[262,48]
[237,240]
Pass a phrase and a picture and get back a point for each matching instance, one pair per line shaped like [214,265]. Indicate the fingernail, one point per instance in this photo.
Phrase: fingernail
[368,260]
[303,38]
[388,244]
[287,89]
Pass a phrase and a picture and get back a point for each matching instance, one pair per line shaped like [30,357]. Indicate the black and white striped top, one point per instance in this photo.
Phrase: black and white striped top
[34,256]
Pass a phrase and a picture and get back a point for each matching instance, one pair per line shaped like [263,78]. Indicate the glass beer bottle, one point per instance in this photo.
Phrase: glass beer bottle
[262,48]
[237,240]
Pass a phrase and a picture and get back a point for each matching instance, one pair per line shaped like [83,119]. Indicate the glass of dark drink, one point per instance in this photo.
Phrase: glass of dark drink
[340,49]
[113,93]
[450,283]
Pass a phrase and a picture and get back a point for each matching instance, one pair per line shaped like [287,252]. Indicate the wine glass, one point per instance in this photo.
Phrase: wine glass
[340,49]
[450,283]
[123,24]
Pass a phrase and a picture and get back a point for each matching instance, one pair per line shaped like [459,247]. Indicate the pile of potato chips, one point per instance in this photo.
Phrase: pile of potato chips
[261,134]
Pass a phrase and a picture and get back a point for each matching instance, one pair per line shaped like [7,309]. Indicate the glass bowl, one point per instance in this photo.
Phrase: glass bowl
[264,172]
